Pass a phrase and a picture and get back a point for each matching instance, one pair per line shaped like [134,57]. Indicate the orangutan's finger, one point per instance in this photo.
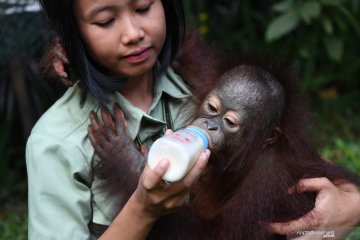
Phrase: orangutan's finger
[120,118]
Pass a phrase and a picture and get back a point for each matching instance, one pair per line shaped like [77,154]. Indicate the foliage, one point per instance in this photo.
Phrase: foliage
[13,223]
[327,12]
[355,235]
[322,35]
[339,133]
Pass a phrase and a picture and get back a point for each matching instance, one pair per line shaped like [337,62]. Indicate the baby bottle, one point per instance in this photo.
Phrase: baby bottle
[181,148]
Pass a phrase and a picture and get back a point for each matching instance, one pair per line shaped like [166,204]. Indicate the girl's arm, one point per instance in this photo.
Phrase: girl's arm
[59,188]
[151,200]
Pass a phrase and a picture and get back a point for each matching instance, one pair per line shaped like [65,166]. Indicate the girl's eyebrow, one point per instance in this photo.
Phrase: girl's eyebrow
[100,9]
[110,8]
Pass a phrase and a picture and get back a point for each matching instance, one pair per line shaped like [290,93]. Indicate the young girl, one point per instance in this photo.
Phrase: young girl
[121,51]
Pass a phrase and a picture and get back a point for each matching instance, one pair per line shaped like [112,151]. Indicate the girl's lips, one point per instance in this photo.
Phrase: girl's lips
[138,55]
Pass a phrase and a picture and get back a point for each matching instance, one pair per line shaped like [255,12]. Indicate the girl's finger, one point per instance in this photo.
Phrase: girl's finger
[152,177]
[197,169]
[168,131]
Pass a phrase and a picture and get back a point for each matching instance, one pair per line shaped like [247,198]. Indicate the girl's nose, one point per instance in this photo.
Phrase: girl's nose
[132,32]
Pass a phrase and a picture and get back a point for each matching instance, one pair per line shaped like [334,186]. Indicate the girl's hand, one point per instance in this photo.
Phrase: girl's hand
[336,206]
[154,198]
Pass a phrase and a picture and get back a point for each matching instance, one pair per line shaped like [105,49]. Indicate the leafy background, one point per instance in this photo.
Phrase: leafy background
[322,35]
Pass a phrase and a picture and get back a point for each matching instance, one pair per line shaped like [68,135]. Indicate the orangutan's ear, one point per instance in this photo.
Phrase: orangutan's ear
[274,136]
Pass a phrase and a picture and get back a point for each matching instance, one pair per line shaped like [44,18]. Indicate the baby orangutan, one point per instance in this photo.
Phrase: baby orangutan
[261,147]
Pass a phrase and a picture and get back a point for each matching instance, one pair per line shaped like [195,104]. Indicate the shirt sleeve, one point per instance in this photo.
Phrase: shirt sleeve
[59,189]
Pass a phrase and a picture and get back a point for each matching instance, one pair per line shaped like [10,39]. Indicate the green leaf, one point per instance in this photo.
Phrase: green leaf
[281,26]
[328,26]
[352,19]
[335,3]
[283,6]
[355,6]
[310,10]
[334,47]
[340,22]
[304,52]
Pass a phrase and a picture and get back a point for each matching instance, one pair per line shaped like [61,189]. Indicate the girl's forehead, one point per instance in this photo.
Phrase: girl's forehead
[92,7]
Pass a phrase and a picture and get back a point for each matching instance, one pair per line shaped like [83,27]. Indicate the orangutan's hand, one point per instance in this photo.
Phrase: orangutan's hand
[54,63]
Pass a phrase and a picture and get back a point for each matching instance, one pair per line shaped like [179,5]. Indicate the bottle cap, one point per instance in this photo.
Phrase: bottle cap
[201,134]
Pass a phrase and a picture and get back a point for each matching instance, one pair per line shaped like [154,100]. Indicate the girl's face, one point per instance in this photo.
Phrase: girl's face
[123,36]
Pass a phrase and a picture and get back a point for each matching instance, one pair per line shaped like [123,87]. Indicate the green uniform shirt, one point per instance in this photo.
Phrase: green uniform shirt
[64,201]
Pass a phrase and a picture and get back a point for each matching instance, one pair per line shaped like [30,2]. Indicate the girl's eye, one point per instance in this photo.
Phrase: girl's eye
[144,9]
[105,24]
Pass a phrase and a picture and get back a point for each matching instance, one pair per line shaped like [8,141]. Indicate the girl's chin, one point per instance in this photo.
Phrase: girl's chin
[136,70]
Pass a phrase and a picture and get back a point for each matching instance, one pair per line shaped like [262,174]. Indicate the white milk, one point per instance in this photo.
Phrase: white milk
[181,148]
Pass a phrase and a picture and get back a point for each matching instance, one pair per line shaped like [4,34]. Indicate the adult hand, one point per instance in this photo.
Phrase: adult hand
[337,206]
[152,199]
[155,198]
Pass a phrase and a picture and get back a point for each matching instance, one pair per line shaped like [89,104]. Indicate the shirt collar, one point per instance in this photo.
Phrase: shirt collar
[167,82]
[172,84]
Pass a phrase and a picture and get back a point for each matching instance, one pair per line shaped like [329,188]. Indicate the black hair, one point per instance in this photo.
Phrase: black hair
[92,78]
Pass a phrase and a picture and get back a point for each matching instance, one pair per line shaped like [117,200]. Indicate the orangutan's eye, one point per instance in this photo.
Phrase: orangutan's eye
[212,105]
[231,121]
